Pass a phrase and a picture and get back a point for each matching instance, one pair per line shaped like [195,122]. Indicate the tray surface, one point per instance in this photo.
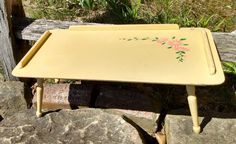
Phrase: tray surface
[174,56]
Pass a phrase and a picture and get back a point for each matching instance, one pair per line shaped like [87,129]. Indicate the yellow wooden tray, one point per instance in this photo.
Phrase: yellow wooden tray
[126,53]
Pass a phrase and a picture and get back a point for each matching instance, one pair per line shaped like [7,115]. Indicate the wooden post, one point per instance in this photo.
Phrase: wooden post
[8,49]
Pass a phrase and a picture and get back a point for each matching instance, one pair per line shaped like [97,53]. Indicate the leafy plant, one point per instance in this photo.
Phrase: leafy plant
[165,14]
[229,67]
[133,9]
[125,10]
[204,21]
[218,26]
[87,4]
[185,16]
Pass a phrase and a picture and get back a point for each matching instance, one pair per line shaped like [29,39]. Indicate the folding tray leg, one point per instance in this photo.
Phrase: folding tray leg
[39,94]
[192,102]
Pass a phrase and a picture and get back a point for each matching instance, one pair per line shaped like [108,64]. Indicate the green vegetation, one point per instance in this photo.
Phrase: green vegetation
[229,67]
[216,15]
[126,11]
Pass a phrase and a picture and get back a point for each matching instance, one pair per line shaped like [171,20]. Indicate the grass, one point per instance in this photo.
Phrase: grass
[216,15]
[229,67]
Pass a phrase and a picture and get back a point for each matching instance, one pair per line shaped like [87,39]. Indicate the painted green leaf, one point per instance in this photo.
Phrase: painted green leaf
[173,37]
[145,38]
[156,37]
[185,44]
[169,47]
[163,43]
[129,39]
[183,39]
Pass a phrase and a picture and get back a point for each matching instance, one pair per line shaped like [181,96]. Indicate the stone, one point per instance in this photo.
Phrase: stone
[145,120]
[11,98]
[90,126]
[58,96]
[136,113]
[234,32]
[216,130]
[1,77]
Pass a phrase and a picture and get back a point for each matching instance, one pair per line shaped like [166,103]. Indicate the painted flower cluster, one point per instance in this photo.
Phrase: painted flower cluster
[178,44]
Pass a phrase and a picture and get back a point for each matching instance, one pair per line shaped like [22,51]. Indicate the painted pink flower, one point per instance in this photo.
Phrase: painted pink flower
[175,43]
[181,48]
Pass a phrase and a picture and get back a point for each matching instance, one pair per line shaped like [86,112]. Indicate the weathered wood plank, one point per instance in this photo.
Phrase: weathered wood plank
[226,45]
[29,29]
[7,46]
[32,30]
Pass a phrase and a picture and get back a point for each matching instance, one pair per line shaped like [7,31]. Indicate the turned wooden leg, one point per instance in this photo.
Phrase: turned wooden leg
[39,94]
[56,80]
[192,102]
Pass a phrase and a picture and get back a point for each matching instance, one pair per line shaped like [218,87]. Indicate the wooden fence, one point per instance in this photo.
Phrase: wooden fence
[16,31]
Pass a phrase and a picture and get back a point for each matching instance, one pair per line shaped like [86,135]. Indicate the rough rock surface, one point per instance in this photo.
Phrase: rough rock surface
[1,77]
[215,131]
[11,98]
[148,124]
[234,32]
[89,126]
